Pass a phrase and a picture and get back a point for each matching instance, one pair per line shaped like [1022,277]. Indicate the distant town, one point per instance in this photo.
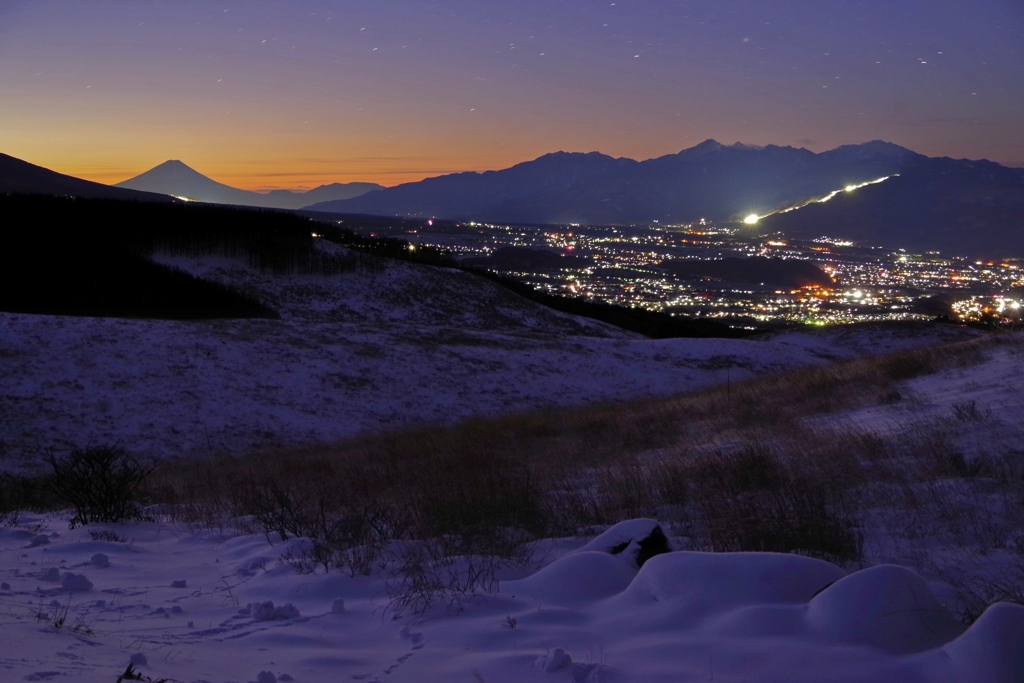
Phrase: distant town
[692,270]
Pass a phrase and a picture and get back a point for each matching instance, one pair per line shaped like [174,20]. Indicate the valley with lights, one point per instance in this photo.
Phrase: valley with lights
[671,268]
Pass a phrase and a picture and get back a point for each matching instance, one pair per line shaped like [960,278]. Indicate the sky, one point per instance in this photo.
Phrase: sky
[264,94]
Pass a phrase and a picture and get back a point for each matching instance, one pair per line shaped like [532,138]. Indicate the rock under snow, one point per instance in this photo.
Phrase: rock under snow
[75,582]
[636,539]
[553,661]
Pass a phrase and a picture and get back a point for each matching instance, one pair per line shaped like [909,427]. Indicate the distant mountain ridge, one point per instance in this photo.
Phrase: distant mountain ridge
[710,180]
[21,177]
[177,179]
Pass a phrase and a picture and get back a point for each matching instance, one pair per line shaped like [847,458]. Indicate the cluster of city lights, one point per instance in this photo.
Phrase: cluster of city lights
[632,266]
[978,308]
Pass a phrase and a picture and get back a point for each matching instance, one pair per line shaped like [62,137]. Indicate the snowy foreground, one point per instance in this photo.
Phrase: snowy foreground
[196,607]
[392,345]
[366,351]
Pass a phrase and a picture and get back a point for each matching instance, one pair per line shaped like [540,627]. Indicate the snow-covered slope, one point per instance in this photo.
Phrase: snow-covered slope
[387,344]
[384,345]
[197,607]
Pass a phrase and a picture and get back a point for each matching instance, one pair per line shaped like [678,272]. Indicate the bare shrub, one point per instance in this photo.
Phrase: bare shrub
[475,501]
[869,446]
[976,593]
[907,366]
[748,501]
[19,493]
[573,502]
[890,397]
[342,534]
[427,573]
[672,480]
[100,483]
[753,467]
[968,411]
[796,518]
[625,489]
[965,467]
[10,500]
[753,412]
[934,444]
[463,504]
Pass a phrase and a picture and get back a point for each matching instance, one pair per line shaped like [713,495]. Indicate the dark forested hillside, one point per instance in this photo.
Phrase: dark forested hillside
[88,257]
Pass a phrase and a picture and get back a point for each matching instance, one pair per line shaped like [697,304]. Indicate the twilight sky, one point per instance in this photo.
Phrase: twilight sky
[294,93]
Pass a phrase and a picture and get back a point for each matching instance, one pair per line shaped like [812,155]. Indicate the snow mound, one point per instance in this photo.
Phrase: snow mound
[51,574]
[887,607]
[701,583]
[992,649]
[636,539]
[577,578]
[265,611]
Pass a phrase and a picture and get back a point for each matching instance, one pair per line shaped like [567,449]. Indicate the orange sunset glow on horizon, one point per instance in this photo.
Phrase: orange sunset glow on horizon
[266,95]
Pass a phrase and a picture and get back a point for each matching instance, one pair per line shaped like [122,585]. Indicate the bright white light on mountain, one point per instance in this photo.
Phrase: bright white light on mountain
[752,219]
[833,193]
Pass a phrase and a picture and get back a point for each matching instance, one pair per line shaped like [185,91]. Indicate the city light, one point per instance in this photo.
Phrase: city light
[752,219]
